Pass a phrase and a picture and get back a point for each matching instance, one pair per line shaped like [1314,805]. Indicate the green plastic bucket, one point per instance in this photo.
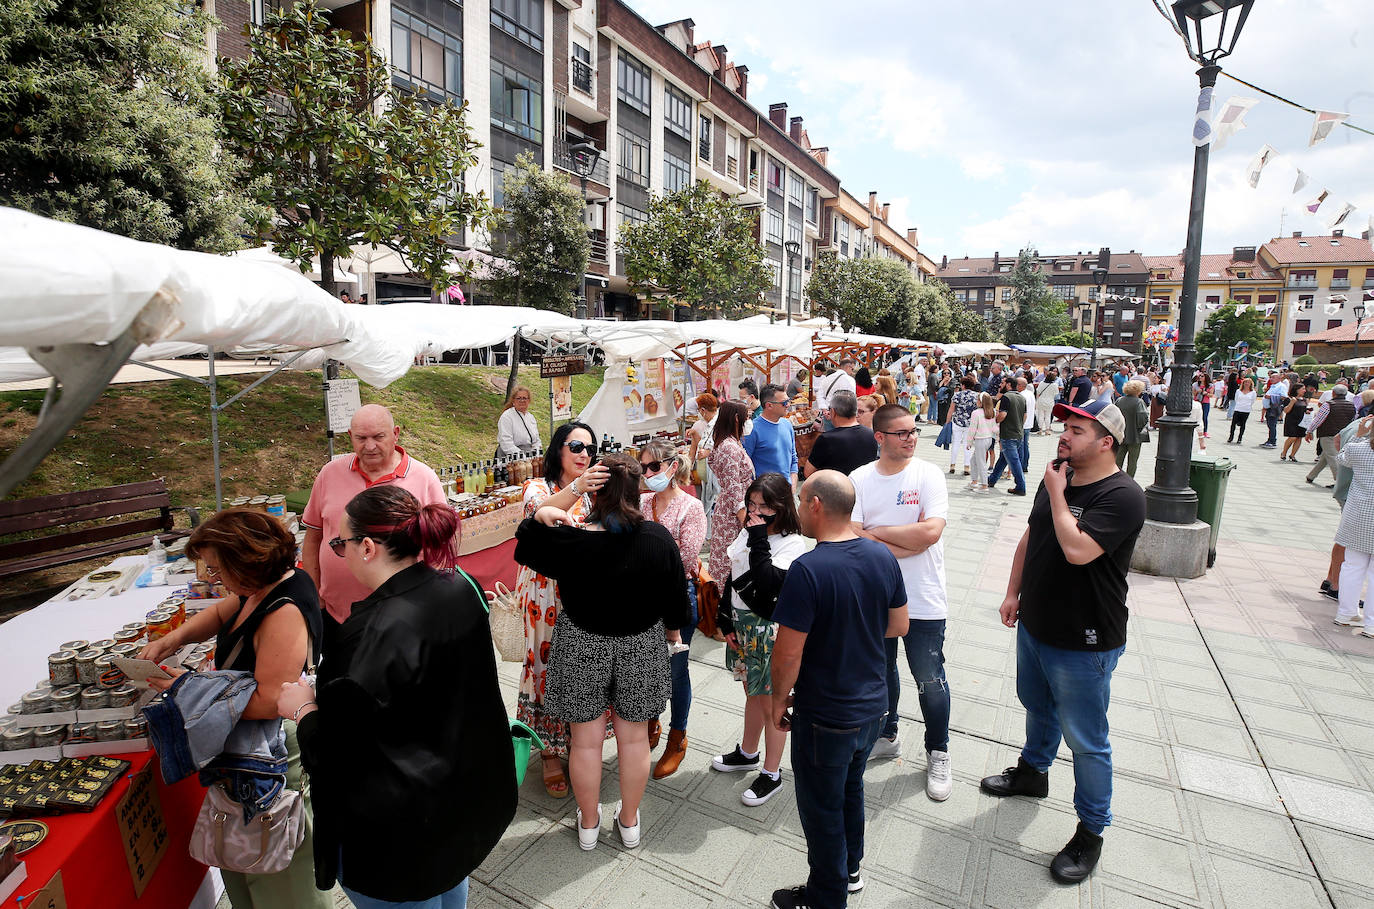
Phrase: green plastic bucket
[523,739]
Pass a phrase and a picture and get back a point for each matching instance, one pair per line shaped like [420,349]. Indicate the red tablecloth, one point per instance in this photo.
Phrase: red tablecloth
[88,851]
[487,566]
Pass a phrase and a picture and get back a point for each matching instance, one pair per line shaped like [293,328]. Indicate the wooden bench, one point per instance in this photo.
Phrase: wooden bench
[50,531]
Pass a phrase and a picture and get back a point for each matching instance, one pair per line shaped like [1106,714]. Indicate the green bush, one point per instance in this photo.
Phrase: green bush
[1305,360]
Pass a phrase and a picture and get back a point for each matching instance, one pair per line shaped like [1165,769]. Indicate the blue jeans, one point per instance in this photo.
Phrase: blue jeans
[457,898]
[1271,419]
[681,702]
[1025,450]
[934,397]
[1065,693]
[828,773]
[1009,456]
[1206,409]
[925,657]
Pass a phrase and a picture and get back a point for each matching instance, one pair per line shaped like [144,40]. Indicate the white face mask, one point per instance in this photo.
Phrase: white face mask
[658,482]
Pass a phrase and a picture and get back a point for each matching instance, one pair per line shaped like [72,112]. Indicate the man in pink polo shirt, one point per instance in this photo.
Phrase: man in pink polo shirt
[376,459]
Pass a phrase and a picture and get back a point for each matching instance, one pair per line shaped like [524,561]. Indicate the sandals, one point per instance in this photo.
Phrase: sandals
[556,785]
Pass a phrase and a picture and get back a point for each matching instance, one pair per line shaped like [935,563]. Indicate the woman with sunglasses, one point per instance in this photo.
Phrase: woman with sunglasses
[665,470]
[759,559]
[569,479]
[266,626]
[734,472]
[624,592]
[407,741]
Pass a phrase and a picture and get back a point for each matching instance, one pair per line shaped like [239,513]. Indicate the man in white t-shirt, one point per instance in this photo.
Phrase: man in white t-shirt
[1023,386]
[901,502]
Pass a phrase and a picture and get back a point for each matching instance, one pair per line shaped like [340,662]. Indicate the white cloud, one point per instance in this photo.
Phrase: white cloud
[982,166]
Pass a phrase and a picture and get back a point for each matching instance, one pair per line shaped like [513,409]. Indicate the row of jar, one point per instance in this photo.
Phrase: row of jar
[15,738]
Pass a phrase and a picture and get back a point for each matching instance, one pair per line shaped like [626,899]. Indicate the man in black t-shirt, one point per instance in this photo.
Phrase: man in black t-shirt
[1011,421]
[1068,588]
[849,445]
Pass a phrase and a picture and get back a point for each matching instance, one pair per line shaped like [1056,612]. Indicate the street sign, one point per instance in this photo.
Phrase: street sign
[555,367]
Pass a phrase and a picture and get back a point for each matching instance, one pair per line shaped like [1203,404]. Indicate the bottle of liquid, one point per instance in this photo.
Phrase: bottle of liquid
[491,476]
[476,486]
[459,481]
[157,554]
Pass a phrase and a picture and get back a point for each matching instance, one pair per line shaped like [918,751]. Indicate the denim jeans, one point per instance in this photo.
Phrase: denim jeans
[1206,411]
[457,898]
[1065,693]
[1025,450]
[1271,419]
[925,657]
[828,773]
[1009,456]
[681,701]
[934,405]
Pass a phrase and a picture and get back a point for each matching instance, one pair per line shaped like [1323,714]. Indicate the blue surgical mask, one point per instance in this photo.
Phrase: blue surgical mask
[658,482]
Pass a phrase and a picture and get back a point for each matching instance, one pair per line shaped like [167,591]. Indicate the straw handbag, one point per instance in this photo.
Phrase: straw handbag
[507,623]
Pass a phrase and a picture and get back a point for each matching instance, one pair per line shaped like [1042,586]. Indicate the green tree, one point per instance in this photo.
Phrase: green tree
[342,157]
[1226,328]
[107,119]
[1036,313]
[699,250]
[1070,339]
[824,286]
[933,312]
[967,325]
[873,299]
[544,244]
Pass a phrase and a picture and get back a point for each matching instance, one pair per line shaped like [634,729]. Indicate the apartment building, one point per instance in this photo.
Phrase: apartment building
[981,285]
[1322,279]
[1237,275]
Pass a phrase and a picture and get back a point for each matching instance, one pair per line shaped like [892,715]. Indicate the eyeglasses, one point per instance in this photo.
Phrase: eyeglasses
[902,434]
[577,446]
[652,466]
[338,544]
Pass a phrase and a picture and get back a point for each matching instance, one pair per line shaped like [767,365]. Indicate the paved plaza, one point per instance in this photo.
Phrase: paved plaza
[1244,747]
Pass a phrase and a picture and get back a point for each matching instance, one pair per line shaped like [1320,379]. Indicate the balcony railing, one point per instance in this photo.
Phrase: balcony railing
[704,147]
[754,183]
[1303,283]
[1160,309]
[581,76]
[732,167]
[1369,282]
[598,245]
[1340,283]
[564,160]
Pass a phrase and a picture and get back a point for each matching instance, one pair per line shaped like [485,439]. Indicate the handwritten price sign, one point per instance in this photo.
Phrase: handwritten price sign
[142,829]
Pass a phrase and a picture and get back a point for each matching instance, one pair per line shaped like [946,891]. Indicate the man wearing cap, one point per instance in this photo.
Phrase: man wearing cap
[1330,418]
[1068,590]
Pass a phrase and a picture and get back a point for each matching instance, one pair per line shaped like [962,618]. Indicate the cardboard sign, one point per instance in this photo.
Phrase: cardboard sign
[560,388]
[52,896]
[556,366]
[341,399]
[142,829]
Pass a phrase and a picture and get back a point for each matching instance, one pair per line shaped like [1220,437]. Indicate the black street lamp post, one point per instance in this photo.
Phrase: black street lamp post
[1100,279]
[793,250]
[1085,315]
[1170,500]
[1359,317]
[584,156]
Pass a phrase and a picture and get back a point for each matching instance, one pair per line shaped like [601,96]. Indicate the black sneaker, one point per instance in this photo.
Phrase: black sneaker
[856,883]
[1332,594]
[763,789]
[1023,779]
[1078,858]
[1326,585]
[791,898]
[735,760]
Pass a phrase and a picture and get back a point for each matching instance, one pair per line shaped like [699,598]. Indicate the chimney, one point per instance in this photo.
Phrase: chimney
[1297,233]
[996,259]
[886,208]
[911,236]
[944,262]
[821,154]
[794,129]
[743,73]
[778,114]
[1365,235]
[722,60]
[872,203]
[1338,233]
[1243,254]
[1104,257]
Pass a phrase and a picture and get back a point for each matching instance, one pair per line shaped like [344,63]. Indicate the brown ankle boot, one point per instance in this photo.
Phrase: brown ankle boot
[655,730]
[673,753]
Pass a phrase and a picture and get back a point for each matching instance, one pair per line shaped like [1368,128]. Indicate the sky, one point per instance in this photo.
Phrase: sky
[1066,125]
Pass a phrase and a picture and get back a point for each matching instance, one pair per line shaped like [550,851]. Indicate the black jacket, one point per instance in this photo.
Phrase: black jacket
[758,587]
[410,757]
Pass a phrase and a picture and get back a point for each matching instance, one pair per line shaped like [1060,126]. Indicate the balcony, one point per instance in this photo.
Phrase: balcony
[1160,309]
[1301,283]
[598,245]
[704,147]
[581,76]
[732,167]
[1340,283]
[563,160]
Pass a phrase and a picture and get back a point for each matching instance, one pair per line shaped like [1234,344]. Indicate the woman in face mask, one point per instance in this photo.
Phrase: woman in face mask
[665,470]
[759,559]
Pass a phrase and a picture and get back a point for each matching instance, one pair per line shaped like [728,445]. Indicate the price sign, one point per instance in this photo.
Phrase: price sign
[142,829]
[341,399]
[554,367]
[53,896]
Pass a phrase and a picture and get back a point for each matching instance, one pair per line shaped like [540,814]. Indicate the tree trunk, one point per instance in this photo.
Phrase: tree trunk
[514,365]
[327,281]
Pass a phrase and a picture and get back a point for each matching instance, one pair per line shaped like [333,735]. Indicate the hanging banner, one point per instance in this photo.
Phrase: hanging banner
[1202,124]
[684,403]
[1346,211]
[1317,202]
[1230,120]
[1300,182]
[560,388]
[654,389]
[1259,163]
[1323,124]
[633,397]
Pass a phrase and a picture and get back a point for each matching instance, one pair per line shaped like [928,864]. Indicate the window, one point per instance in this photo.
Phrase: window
[1332,323]
[1303,325]
[1340,277]
[582,69]
[677,112]
[426,57]
[1108,318]
[498,181]
[1065,291]
[842,229]
[1213,298]
[624,214]
[961,296]
[813,205]
[634,157]
[633,83]
[794,231]
[1063,266]
[776,267]
[1128,315]
[795,188]
[677,172]
[1305,301]
[773,230]
[523,20]
[774,175]
[1004,267]
[1369,277]
[517,102]
[794,283]
[1299,348]
[704,138]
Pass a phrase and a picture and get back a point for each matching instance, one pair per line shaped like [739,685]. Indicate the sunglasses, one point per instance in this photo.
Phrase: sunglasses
[651,466]
[577,446]
[338,544]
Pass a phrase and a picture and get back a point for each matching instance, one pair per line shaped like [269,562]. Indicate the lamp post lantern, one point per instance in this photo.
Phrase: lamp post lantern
[1209,29]
[1100,279]
[793,250]
[583,156]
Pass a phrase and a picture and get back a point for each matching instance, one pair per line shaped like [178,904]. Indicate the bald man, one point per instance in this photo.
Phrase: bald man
[376,459]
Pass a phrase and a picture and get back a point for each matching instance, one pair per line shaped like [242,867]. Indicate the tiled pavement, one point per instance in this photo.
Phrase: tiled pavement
[1243,740]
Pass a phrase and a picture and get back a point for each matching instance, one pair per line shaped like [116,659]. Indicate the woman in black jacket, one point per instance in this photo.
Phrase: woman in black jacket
[409,746]
[759,559]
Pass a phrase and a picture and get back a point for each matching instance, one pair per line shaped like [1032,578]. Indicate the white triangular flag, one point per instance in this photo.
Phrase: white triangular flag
[1317,202]
[1299,183]
[1202,125]
[1241,307]
[1230,120]
[1346,211]
[1331,308]
[1258,163]
[1269,309]
[1323,124]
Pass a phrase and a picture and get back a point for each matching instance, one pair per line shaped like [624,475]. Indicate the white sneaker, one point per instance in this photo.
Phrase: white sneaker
[856,882]
[628,835]
[1353,620]
[886,748]
[587,837]
[939,782]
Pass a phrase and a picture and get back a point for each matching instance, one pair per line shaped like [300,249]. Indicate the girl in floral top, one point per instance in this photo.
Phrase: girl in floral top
[734,472]
[568,479]
[961,408]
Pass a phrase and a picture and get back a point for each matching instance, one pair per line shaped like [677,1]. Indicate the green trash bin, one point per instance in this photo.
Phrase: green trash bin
[1208,477]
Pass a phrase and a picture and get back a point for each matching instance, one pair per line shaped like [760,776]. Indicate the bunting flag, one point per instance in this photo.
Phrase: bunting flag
[1241,307]
[1257,165]
[1331,308]
[1230,120]
[1317,202]
[1202,125]
[1346,211]
[1269,309]
[1323,124]
[1299,183]
[1369,296]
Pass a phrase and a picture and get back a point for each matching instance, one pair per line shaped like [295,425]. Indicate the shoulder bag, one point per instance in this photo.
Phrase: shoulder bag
[507,622]
[264,845]
[708,603]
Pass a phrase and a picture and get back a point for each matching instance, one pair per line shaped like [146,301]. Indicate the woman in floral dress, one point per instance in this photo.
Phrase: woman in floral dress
[734,472]
[568,479]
